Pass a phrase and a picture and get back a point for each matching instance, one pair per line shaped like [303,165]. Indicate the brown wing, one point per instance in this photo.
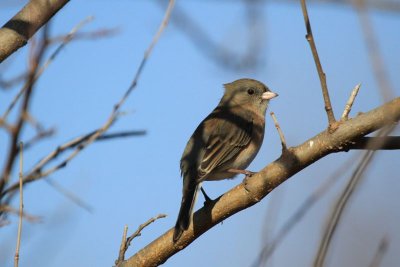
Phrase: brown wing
[231,134]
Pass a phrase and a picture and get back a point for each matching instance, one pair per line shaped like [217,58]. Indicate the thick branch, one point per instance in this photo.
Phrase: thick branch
[261,184]
[17,31]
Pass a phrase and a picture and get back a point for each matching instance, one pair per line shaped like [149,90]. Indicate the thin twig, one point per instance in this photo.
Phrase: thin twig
[122,248]
[126,242]
[337,211]
[270,247]
[147,54]
[278,128]
[109,136]
[6,84]
[86,35]
[343,199]
[66,40]
[380,252]
[374,53]
[70,195]
[138,232]
[26,216]
[21,204]
[321,74]
[222,54]
[9,128]
[37,172]
[38,137]
[30,82]
[350,102]
[33,122]
[270,224]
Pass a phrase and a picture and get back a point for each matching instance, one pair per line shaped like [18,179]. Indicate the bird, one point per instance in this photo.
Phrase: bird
[225,142]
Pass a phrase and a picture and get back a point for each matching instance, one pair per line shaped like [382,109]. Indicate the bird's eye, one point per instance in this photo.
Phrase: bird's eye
[250,91]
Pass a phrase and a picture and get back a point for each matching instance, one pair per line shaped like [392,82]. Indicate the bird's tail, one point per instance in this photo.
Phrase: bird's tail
[189,194]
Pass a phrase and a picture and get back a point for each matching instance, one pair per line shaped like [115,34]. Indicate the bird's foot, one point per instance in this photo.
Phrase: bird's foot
[208,200]
[245,172]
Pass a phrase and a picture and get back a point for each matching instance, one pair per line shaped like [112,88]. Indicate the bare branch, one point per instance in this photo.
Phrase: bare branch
[350,102]
[374,53]
[67,39]
[321,74]
[6,126]
[7,84]
[380,252]
[141,227]
[377,143]
[13,150]
[21,204]
[37,172]
[299,214]
[69,195]
[126,242]
[218,53]
[337,211]
[122,248]
[146,55]
[262,183]
[38,137]
[96,34]
[17,31]
[109,136]
[278,128]
[11,210]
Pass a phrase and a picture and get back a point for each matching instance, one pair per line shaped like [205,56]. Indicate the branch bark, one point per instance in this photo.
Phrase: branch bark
[261,184]
[18,30]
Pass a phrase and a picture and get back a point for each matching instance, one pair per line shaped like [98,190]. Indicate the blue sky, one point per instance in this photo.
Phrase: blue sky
[128,181]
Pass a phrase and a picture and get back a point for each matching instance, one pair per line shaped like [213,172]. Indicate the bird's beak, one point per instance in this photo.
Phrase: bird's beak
[268,95]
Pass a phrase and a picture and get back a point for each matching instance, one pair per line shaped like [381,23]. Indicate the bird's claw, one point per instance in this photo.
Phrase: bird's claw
[207,200]
[245,172]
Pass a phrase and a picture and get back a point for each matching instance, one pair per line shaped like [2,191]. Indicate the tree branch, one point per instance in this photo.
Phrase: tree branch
[380,252]
[269,247]
[40,71]
[84,142]
[261,184]
[30,83]
[21,204]
[350,102]
[321,73]
[126,242]
[278,128]
[377,143]
[37,171]
[18,30]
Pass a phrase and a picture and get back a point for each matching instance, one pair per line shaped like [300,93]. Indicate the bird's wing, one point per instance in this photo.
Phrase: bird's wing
[231,134]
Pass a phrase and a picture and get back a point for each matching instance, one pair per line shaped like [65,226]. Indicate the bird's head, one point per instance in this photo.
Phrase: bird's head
[247,93]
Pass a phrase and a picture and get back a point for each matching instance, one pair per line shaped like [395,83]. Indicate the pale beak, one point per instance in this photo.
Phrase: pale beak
[268,95]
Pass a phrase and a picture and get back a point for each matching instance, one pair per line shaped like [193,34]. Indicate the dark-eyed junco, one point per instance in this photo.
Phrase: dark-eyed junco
[224,143]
